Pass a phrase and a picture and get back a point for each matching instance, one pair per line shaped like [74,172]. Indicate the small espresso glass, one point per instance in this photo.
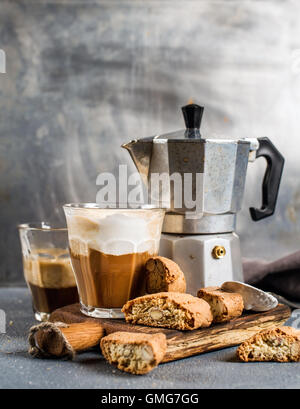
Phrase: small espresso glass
[47,267]
[109,248]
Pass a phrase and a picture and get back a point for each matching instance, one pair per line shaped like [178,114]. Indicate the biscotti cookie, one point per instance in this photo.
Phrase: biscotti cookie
[133,352]
[169,310]
[224,306]
[163,274]
[280,344]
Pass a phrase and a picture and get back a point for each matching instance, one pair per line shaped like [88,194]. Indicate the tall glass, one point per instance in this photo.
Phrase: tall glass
[47,267]
[109,249]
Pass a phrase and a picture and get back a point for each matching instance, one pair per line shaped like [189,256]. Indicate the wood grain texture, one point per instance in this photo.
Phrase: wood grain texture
[182,344]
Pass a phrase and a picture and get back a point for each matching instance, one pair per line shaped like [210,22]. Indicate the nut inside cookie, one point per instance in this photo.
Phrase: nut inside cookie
[160,311]
[135,358]
[272,349]
[218,308]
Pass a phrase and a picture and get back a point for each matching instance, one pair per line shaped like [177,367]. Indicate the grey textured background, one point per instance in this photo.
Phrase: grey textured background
[85,76]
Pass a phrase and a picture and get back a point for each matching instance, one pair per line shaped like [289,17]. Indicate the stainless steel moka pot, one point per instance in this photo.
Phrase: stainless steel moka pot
[199,234]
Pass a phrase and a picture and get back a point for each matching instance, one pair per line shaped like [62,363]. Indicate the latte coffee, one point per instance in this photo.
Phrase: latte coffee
[109,249]
[49,276]
[107,280]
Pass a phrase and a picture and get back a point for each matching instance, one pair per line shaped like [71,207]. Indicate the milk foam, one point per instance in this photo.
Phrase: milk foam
[116,233]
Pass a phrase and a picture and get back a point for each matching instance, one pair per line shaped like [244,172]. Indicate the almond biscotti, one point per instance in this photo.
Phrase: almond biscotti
[224,306]
[169,310]
[280,344]
[163,274]
[134,352]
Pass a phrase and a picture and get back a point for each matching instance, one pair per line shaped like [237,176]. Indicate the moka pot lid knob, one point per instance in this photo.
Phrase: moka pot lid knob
[192,114]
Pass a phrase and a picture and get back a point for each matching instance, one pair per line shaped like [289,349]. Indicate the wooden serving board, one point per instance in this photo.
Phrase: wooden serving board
[181,344]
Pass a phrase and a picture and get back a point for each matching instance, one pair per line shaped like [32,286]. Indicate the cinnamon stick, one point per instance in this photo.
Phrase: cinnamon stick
[61,340]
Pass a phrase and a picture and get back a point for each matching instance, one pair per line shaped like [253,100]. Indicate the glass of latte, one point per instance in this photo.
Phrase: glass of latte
[47,267]
[109,248]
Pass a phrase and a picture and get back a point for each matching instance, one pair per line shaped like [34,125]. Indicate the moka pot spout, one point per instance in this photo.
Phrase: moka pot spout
[140,151]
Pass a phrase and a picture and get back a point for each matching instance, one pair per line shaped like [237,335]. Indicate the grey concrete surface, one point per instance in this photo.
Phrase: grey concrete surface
[89,370]
[83,76]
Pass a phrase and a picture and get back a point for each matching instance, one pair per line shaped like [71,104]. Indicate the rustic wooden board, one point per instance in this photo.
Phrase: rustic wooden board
[182,344]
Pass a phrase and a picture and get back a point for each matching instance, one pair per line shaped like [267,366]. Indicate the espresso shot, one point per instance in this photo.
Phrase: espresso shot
[47,268]
[49,276]
[109,249]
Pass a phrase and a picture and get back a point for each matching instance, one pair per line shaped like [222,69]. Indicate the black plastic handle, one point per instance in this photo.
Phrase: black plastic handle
[192,114]
[271,182]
